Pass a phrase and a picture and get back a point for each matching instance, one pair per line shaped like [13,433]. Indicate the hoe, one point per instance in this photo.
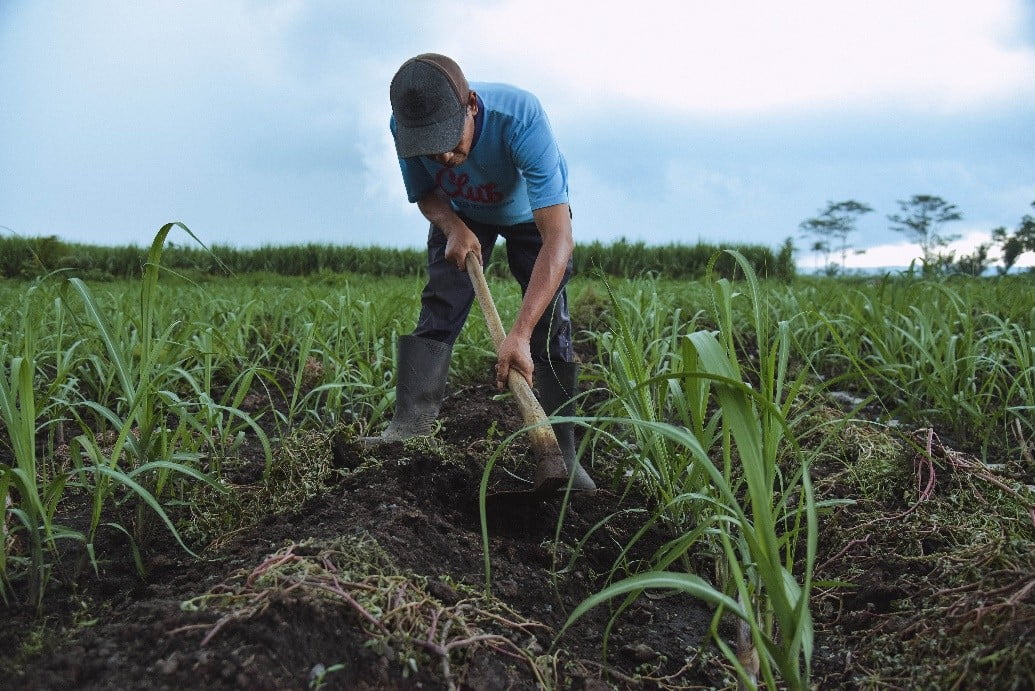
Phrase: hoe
[550,473]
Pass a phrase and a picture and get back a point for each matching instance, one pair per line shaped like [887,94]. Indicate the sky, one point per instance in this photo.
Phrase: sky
[265,122]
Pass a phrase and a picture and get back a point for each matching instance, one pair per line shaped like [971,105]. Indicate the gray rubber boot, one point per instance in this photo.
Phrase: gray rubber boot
[556,382]
[422,369]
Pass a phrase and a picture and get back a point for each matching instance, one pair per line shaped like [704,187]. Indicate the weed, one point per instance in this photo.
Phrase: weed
[394,608]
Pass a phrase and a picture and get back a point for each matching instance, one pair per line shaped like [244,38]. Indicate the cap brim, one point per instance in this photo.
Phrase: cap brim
[437,138]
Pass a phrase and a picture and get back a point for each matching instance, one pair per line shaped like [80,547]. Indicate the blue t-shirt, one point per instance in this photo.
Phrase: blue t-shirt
[514,166]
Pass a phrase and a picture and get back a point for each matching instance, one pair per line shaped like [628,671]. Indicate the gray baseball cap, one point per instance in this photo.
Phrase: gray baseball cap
[429,101]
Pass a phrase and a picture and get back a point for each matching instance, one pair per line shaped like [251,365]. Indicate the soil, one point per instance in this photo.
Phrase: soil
[291,600]
[417,508]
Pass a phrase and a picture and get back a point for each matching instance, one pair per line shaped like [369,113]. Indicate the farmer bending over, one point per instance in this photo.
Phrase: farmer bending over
[480,161]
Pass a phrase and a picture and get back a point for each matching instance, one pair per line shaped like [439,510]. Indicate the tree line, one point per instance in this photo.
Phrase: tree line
[30,257]
[922,219]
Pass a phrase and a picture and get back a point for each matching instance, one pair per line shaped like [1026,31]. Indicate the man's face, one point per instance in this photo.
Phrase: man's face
[459,154]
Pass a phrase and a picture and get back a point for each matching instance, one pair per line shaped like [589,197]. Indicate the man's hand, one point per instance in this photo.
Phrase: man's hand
[459,243]
[459,238]
[554,224]
[514,354]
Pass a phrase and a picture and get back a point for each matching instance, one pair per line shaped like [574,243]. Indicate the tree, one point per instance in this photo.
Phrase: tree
[833,226]
[921,220]
[823,247]
[785,268]
[973,264]
[1013,246]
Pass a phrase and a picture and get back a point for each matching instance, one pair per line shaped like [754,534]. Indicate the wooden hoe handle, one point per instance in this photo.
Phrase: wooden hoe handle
[544,441]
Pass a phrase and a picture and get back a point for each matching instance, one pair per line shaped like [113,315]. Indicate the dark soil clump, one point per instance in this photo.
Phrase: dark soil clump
[257,612]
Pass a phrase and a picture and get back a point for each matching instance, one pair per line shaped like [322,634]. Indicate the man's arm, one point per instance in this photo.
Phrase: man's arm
[459,238]
[554,224]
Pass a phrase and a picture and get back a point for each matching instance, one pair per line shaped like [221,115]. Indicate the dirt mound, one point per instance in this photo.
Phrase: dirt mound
[366,570]
[379,582]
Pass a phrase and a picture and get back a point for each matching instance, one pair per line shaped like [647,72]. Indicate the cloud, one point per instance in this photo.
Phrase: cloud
[734,57]
[266,120]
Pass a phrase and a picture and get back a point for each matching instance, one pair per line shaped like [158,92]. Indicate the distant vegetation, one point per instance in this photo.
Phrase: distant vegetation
[31,257]
[921,219]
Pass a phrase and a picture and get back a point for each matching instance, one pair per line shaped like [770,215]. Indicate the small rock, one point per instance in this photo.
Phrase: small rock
[317,672]
[639,652]
[443,592]
[168,666]
[846,398]
[507,588]
[641,614]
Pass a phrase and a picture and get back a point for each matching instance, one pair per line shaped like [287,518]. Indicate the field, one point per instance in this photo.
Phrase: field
[809,483]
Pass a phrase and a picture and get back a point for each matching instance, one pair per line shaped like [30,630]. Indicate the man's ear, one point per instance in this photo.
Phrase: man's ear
[472,103]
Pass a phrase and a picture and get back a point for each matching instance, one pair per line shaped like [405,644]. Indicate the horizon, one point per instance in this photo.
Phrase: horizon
[805,263]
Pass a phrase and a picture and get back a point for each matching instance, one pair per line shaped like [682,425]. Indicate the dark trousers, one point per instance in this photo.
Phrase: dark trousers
[447,298]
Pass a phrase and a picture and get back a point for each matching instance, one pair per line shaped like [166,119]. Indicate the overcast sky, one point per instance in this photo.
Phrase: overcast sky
[266,121]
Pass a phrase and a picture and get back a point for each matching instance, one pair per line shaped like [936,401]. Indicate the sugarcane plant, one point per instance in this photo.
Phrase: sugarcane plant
[27,493]
[145,454]
[755,512]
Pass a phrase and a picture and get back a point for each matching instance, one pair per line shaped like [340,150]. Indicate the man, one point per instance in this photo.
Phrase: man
[480,161]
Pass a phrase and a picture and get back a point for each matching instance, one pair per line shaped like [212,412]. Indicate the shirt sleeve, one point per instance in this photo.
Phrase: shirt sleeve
[539,159]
